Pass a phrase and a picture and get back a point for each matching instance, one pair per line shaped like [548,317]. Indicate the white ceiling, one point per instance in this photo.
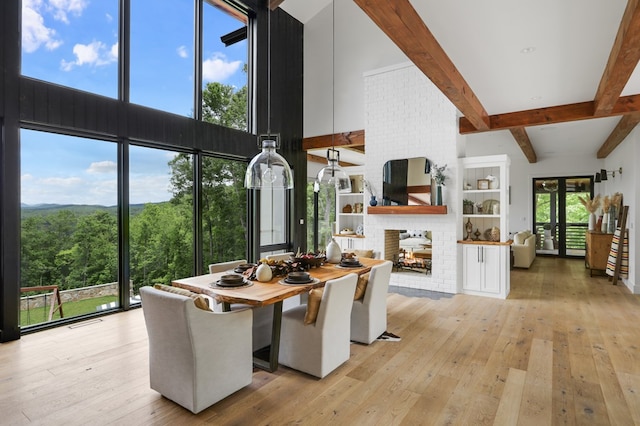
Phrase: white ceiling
[570,41]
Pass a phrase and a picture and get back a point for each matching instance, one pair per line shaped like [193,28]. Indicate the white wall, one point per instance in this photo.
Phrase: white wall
[407,116]
[627,155]
[360,46]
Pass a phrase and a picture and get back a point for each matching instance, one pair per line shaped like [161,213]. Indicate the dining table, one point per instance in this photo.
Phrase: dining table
[270,293]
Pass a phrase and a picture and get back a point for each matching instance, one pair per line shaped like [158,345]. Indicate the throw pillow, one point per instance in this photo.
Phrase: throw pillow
[518,239]
[313,305]
[404,235]
[361,287]
[364,253]
[199,300]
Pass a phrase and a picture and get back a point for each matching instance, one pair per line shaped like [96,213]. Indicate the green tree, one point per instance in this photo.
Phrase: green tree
[43,238]
[223,105]
[95,250]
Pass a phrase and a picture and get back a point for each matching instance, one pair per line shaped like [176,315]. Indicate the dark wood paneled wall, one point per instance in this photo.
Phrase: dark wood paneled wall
[36,104]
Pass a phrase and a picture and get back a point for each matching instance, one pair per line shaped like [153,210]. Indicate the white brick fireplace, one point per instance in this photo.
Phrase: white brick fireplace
[406,117]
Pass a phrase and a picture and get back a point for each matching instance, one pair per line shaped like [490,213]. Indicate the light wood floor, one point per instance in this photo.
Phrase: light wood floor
[563,349]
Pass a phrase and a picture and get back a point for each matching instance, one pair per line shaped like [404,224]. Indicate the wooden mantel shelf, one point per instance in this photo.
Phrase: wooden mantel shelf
[407,209]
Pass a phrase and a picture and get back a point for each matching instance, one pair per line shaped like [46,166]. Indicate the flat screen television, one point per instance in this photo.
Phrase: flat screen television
[406,182]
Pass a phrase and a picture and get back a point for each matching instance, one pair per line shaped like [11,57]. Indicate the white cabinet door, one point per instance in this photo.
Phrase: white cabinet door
[482,268]
[350,243]
[472,267]
[491,278]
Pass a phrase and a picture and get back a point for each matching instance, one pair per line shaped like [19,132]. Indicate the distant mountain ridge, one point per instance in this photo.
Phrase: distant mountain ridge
[28,210]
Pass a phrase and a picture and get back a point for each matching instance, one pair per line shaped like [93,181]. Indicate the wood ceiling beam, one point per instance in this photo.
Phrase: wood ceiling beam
[551,115]
[402,24]
[622,130]
[273,4]
[521,136]
[623,59]
[354,139]
[323,160]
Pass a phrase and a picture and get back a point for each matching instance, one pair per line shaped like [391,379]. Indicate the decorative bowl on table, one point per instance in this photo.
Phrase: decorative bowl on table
[231,280]
[243,267]
[298,277]
[310,260]
[350,262]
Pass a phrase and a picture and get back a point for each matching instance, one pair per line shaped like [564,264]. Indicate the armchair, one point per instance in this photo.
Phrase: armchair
[524,249]
[196,357]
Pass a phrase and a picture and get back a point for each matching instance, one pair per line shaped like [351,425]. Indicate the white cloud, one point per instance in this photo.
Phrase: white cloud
[60,9]
[217,68]
[102,167]
[149,189]
[182,52]
[34,32]
[94,54]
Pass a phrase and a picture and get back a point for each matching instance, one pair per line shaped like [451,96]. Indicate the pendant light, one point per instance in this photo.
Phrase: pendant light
[268,169]
[332,174]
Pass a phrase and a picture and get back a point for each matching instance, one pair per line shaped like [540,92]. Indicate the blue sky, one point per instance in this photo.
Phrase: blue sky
[75,43]
[59,169]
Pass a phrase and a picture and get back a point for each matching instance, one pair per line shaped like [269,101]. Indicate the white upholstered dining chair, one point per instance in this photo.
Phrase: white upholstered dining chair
[295,300]
[280,256]
[196,357]
[225,266]
[320,347]
[262,316]
[369,314]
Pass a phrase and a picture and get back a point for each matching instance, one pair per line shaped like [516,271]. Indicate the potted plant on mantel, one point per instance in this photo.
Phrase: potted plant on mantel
[372,192]
[467,206]
[439,177]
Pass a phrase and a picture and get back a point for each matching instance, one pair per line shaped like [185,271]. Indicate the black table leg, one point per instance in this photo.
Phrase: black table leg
[271,364]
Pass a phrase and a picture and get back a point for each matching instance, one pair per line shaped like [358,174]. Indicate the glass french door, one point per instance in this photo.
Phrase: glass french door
[560,219]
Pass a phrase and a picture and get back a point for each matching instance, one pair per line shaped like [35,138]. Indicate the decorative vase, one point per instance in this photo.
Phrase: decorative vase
[373,201]
[605,223]
[592,221]
[438,195]
[264,273]
[334,253]
[469,228]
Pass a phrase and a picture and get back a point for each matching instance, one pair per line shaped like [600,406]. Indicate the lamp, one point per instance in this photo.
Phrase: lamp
[603,173]
[268,169]
[332,173]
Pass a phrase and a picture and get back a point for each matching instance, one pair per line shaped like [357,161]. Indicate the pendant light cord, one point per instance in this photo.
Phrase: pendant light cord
[269,72]
[333,81]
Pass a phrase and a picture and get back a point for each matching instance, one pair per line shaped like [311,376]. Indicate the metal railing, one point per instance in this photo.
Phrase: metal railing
[575,238]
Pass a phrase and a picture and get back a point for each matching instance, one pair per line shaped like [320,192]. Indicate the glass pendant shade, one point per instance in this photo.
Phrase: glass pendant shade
[333,175]
[268,169]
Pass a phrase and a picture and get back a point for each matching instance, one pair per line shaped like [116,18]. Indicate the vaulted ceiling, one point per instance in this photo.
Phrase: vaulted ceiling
[522,67]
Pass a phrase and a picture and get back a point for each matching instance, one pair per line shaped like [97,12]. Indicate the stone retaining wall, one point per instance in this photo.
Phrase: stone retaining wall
[38,301]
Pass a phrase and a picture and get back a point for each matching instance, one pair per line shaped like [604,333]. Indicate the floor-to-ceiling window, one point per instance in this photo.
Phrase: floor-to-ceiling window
[560,219]
[321,216]
[224,211]
[69,245]
[161,216]
[74,99]
[72,43]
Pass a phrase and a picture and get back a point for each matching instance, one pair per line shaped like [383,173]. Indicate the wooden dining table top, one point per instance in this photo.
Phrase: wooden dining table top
[266,293]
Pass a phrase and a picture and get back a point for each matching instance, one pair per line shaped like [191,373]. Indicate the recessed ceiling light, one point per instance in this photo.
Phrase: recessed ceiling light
[530,49]
[536,98]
